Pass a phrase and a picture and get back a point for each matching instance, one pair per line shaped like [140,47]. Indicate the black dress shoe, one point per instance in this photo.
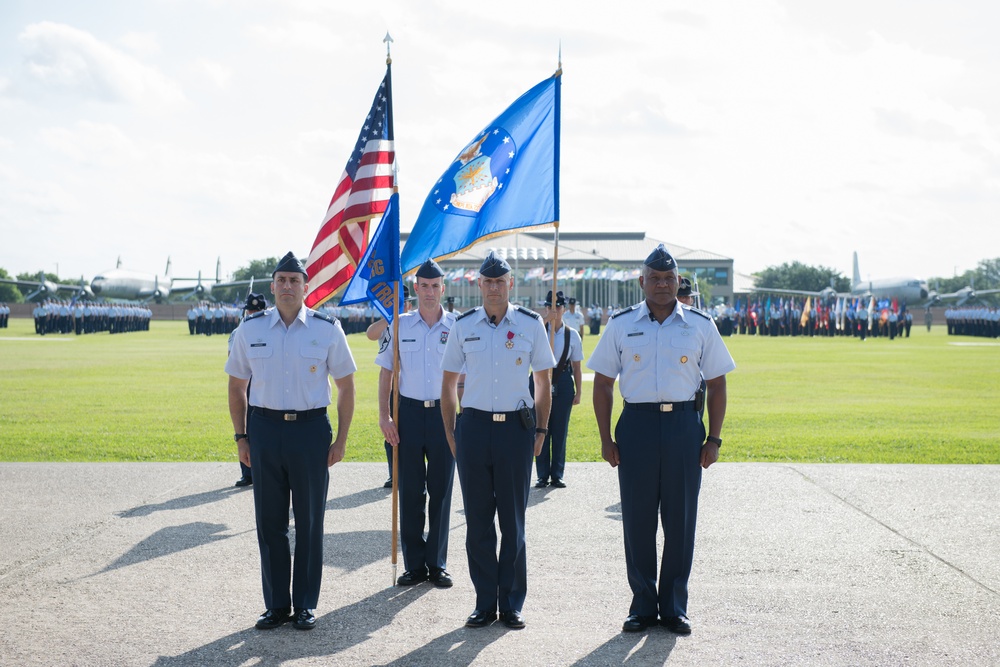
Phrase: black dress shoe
[636,623]
[678,624]
[304,619]
[244,481]
[541,484]
[441,579]
[512,619]
[273,618]
[388,484]
[411,578]
[558,483]
[480,618]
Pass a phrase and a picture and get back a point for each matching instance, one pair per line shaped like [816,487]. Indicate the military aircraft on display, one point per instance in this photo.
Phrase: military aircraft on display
[907,290]
[119,283]
[46,289]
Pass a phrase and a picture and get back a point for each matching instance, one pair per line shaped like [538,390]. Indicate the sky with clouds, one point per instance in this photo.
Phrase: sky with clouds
[764,130]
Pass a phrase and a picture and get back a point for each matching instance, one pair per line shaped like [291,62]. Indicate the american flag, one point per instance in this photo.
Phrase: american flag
[362,194]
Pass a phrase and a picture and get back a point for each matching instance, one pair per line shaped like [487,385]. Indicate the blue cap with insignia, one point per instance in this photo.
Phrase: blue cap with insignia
[560,299]
[255,302]
[494,266]
[685,288]
[429,269]
[290,264]
[406,293]
[660,259]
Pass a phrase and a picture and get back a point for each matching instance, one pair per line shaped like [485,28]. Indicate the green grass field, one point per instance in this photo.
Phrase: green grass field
[161,396]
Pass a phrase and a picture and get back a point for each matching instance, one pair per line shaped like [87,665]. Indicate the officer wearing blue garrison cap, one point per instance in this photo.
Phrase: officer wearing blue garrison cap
[254,304]
[659,350]
[291,352]
[567,346]
[494,439]
[425,459]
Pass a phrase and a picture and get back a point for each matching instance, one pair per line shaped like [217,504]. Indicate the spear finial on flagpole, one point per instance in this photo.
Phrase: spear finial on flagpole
[388,41]
[559,65]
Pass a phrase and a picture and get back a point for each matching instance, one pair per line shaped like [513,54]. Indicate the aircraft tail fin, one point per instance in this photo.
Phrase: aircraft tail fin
[166,274]
[856,280]
[218,270]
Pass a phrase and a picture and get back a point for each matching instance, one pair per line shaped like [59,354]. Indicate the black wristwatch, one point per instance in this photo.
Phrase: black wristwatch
[714,440]
[543,431]
[239,436]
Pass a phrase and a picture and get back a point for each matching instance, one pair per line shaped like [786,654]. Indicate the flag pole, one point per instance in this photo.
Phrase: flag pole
[555,184]
[395,347]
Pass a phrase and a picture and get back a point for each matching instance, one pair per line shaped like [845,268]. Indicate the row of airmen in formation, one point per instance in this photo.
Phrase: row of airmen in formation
[213,319]
[85,317]
[973,321]
[4,315]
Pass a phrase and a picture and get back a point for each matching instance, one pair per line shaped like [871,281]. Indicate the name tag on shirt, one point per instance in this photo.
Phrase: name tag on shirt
[635,333]
[258,344]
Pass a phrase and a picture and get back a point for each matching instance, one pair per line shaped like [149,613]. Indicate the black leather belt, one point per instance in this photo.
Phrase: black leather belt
[403,400]
[289,415]
[661,407]
[490,416]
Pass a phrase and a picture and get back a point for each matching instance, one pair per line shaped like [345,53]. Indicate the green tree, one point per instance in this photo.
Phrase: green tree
[9,293]
[799,276]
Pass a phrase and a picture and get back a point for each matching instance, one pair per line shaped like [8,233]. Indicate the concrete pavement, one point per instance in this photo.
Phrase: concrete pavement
[157,564]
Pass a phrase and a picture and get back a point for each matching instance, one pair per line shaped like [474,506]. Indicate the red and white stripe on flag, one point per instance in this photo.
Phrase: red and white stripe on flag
[343,236]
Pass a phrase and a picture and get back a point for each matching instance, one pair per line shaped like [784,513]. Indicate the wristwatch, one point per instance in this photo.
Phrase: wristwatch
[239,436]
[714,440]
[543,431]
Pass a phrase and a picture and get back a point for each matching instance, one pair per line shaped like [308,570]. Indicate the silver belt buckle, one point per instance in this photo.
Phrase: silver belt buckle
[290,416]
[666,407]
[499,417]
[428,404]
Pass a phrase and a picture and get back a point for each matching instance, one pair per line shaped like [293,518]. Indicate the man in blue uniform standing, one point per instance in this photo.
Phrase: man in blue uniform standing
[254,304]
[660,349]
[291,352]
[567,378]
[498,433]
[425,460]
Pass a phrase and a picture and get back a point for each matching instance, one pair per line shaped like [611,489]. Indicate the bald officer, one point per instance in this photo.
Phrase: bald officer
[498,433]
[660,349]
[291,351]
[426,464]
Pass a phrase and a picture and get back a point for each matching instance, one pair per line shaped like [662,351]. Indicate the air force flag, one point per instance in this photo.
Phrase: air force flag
[378,271]
[505,179]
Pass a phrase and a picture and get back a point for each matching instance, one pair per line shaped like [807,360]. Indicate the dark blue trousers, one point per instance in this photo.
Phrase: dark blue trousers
[289,462]
[494,468]
[426,468]
[659,473]
[551,462]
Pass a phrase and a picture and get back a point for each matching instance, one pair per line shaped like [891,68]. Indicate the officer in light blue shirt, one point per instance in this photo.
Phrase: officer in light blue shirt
[291,352]
[660,350]
[494,439]
[426,464]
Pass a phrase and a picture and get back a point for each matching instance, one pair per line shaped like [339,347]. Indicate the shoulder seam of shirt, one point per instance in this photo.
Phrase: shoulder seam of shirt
[468,312]
[527,311]
[622,312]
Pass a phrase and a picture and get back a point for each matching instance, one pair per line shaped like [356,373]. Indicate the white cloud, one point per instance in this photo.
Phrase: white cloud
[64,59]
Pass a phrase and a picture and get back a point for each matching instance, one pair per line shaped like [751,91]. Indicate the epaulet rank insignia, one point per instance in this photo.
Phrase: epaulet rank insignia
[322,316]
[254,315]
[697,311]
[622,312]
[526,311]
[468,312]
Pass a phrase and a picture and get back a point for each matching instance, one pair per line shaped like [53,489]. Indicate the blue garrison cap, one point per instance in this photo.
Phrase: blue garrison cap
[494,266]
[429,269]
[290,264]
[255,302]
[660,260]
[560,299]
